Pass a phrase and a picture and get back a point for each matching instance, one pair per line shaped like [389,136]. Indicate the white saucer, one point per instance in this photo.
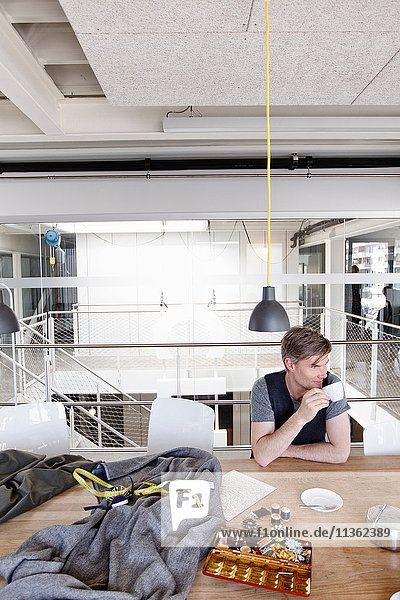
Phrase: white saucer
[322,496]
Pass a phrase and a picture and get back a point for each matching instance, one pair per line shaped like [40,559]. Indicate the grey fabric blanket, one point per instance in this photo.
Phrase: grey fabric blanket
[118,554]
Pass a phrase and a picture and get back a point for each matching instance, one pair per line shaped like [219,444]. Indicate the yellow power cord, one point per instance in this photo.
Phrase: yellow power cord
[268,150]
[112,491]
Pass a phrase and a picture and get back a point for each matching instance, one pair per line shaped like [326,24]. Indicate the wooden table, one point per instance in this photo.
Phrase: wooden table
[345,571]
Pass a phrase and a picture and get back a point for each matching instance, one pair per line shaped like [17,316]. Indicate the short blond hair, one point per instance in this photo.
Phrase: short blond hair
[302,342]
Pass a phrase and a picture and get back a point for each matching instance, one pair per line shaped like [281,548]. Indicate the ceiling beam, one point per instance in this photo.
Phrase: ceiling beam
[52,43]
[40,11]
[25,82]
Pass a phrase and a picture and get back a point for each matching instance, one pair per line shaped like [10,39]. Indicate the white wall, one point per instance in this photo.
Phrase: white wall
[187,268]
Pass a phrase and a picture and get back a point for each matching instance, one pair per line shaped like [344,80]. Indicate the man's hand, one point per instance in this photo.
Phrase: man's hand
[312,402]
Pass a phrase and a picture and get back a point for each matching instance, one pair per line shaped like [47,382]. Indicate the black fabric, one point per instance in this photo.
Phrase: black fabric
[27,480]
[13,461]
[282,404]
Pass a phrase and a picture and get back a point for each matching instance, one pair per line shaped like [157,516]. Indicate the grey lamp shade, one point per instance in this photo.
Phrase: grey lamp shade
[8,319]
[269,315]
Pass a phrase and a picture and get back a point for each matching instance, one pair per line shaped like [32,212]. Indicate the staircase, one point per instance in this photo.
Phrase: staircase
[56,375]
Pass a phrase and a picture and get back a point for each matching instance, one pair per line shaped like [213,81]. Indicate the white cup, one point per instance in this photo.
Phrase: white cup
[335,391]
[396,596]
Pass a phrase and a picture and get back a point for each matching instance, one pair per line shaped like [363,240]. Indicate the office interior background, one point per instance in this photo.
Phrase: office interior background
[142,145]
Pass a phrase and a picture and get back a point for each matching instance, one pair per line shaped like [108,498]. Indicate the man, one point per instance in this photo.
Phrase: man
[356,307]
[385,315]
[291,414]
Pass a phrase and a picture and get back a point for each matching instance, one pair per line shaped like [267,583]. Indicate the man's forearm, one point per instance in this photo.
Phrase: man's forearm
[273,445]
[320,452]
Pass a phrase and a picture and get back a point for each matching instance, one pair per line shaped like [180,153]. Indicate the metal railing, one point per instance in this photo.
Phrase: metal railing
[84,414]
[44,371]
[108,362]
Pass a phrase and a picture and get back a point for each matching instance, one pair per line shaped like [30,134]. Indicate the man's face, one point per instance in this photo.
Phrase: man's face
[309,372]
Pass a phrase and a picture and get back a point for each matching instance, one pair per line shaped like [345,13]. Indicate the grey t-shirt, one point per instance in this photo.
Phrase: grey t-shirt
[261,409]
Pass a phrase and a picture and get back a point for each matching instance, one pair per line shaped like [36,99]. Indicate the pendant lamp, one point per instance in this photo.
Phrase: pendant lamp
[9,324]
[268,315]
[8,318]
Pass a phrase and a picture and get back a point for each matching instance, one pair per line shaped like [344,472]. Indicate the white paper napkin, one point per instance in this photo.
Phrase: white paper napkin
[239,492]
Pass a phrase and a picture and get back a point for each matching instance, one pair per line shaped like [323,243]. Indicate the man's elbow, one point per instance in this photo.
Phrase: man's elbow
[261,460]
[342,456]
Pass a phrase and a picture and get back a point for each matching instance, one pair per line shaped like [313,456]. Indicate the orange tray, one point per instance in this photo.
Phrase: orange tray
[259,571]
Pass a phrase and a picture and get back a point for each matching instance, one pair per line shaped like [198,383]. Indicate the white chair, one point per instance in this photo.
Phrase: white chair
[220,437]
[382,438]
[38,427]
[176,422]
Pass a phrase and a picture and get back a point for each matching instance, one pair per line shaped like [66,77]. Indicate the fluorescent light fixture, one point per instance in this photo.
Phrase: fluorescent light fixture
[133,227]
[212,243]
[185,226]
[259,124]
[210,124]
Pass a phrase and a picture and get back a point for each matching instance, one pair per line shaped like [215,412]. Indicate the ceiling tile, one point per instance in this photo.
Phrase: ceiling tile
[229,69]
[176,69]
[327,15]
[384,89]
[326,68]
[153,16]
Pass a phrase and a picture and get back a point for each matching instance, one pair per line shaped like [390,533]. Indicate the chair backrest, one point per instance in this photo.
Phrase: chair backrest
[382,438]
[36,427]
[176,422]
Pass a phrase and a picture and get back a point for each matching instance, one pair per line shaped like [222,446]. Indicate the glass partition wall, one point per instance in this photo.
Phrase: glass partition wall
[189,283]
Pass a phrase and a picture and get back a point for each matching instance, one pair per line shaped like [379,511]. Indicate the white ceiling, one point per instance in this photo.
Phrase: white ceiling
[208,53]
[157,16]
[94,78]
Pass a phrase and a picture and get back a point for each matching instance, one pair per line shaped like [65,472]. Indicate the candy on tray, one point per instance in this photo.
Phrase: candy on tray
[278,564]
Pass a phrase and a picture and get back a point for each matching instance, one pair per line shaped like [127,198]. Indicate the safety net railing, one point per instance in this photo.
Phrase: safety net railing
[93,369]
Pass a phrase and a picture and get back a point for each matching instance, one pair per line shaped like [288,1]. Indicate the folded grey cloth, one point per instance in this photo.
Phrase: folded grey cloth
[27,480]
[119,554]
